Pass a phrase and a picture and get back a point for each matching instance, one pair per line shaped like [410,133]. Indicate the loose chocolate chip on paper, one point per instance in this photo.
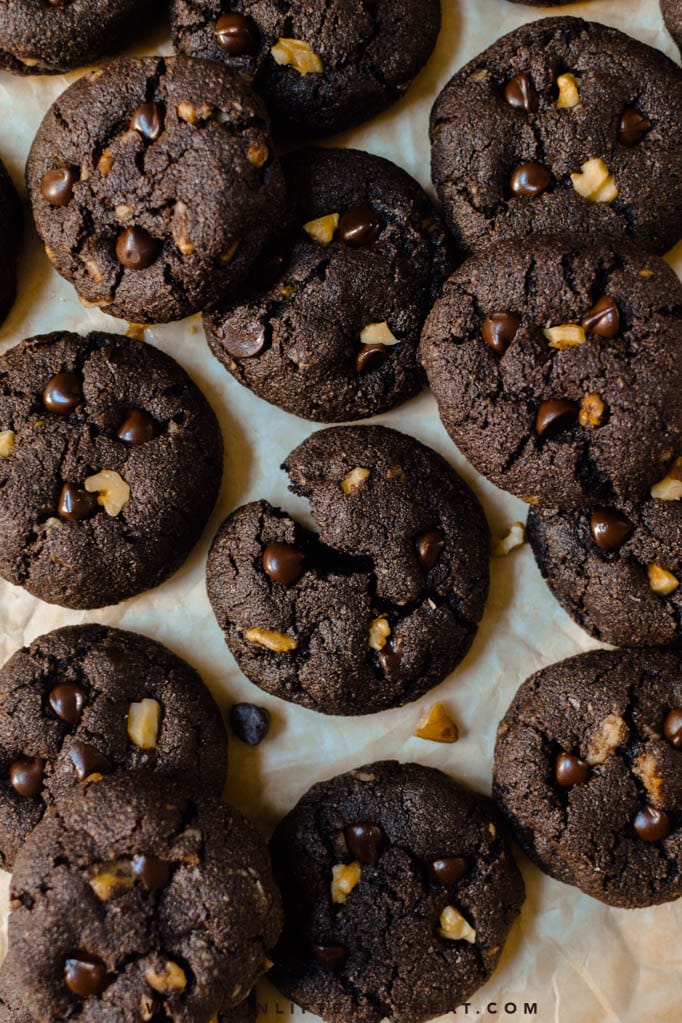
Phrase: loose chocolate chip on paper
[249,722]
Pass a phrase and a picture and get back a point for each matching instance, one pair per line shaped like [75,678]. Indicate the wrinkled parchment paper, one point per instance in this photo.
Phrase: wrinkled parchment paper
[569,959]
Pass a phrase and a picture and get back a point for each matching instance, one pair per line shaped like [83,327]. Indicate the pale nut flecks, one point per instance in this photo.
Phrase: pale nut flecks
[113,493]
[167,981]
[378,334]
[345,876]
[608,736]
[123,211]
[147,1008]
[258,155]
[95,271]
[354,480]
[113,879]
[396,472]
[322,229]
[297,54]
[595,182]
[105,162]
[6,443]
[454,927]
[192,115]
[143,723]
[592,410]
[379,631]
[667,489]
[566,335]
[271,639]
[646,769]
[661,581]
[436,725]
[181,229]
[513,538]
[569,95]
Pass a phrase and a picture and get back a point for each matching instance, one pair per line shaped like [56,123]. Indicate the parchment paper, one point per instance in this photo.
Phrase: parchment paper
[571,959]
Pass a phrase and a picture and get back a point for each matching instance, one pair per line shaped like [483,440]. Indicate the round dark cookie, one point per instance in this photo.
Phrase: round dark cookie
[72,408]
[377,608]
[431,891]
[672,16]
[321,66]
[160,901]
[588,769]
[86,699]
[38,37]
[10,241]
[504,151]
[616,570]
[557,368]
[154,186]
[295,336]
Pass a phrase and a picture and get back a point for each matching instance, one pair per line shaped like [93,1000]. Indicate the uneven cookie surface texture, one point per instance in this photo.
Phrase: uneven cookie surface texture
[139,896]
[561,126]
[321,65]
[88,699]
[154,185]
[588,770]
[399,892]
[110,463]
[557,368]
[330,322]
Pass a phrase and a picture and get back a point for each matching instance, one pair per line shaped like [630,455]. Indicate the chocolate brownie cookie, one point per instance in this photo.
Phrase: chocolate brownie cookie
[110,464]
[399,892]
[87,699]
[561,126]
[154,186]
[557,367]
[10,240]
[38,38]
[329,325]
[139,897]
[377,608]
[616,570]
[672,16]
[588,769]
[321,65]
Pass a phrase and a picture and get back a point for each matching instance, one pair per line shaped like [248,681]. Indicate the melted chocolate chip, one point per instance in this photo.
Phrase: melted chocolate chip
[603,318]
[63,393]
[330,957]
[430,546]
[609,529]
[359,226]
[392,655]
[243,344]
[137,428]
[87,760]
[56,186]
[633,127]
[153,872]
[520,94]
[499,330]
[67,701]
[236,34]
[85,977]
[554,416]
[364,842]
[530,179]
[249,723]
[26,776]
[284,563]
[148,121]
[570,770]
[136,249]
[652,825]
[370,357]
[672,728]
[75,504]
[448,870]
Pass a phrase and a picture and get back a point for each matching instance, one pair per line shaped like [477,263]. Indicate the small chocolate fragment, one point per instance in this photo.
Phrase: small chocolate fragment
[75,504]
[67,701]
[56,186]
[85,977]
[672,728]
[236,34]
[652,825]
[448,870]
[148,121]
[26,776]
[520,94]
[633,127]
[570,770]
[392,654]
[499,330]
[153,872]
[603,318]
[530,179]
[63,393]
[249,723]
[430,546]
[87,760]
[364,842]
[136,249]
[359,226]
[137,428]
[554,416]
[609,529]
[330,957]
[370,357]
[284,563]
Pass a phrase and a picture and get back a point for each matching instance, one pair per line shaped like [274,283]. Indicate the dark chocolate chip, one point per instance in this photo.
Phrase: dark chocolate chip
[87,760]
[148,121]
[520,94]
[244,344]
[26,776]
[554,416]
[331,957]
[609,529]
[672,728]
[499,330]
[370,357]
[392,655]
[570,770]
[63,393]
[448,870]
[136,249]
[633,127]
[236,34]
[652,825]
[359,226]
[603,318]
[430,546]
[530,179]
[284,563]
[137,428]
[85,977]
[75,504]
[249,723]
[153,872]
[364,842]
[56,186]
[67,701]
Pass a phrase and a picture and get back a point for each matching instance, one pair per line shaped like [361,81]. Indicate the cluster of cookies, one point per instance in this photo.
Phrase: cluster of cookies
[325,279]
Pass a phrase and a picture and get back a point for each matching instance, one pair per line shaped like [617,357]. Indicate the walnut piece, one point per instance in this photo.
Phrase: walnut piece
[167,981]
[610,734]
[6,443]
[258,155]
[437,726]
[143,723]
[181,228]
[591,410]
[454,927]
[569,95]
[189,113]
[513,538]
[105,162]
[566,335]
[667,489]
[112,490]
[354,480]
[146,1008]
[595,182]
[645,768]
[379,631]
[322,230]
[297,54]
[345,876]
[661,581]
[278,642]
[378,334]
[112,879]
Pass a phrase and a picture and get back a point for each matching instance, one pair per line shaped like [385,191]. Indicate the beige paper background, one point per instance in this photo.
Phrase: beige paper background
[580,961]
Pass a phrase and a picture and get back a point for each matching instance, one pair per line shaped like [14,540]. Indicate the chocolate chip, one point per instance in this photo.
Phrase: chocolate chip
[75,504]
[530,179]
[554,416]
[284,563]
[87,760]
[56,186]
[148,121]
[331,957]
[63,393]
[26,776]
[152,872]
[672,728]
[359,226]
[633,127]
[236,34]
[570,770]
[364,842]
[609,529]
[652,825]
[85,977]
[430,546]
[499,330]
[67,701]
[249,723]
[392,654]
[137,428]
[244,344]
[603,318]
[520,94]
[448,870]
[135,249]
[370,357]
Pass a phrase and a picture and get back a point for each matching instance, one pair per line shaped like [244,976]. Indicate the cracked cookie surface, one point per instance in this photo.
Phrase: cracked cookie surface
[431,892]
[86,699]
[365,255]
[672,16]
[381,604]
[588,769]
[561,126]
[137,896]
[557,368]
[321,66]
[617,571]
[154,185]
[118,417]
